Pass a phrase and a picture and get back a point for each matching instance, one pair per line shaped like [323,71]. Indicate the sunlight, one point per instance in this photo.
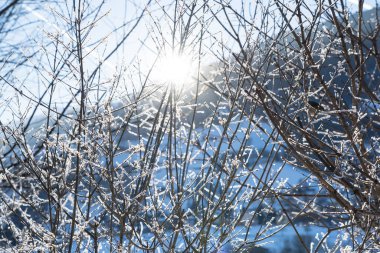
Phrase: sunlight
[175,69]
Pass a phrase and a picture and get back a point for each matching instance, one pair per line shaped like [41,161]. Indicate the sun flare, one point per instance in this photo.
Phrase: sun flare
[175,69]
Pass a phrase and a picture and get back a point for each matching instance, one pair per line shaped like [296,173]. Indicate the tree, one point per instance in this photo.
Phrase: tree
[103,151]
[330,57]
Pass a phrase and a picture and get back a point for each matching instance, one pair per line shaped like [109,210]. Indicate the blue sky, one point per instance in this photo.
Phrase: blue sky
[137,55]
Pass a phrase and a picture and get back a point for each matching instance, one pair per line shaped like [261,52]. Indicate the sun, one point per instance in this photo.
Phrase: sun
[174,69]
